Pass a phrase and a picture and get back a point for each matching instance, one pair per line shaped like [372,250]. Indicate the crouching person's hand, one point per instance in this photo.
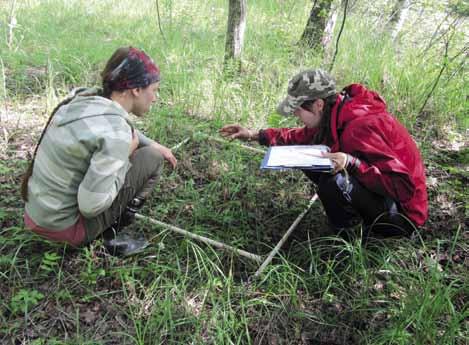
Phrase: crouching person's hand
[166,153]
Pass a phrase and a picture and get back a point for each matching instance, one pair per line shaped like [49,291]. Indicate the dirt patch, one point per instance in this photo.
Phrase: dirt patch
[20,127]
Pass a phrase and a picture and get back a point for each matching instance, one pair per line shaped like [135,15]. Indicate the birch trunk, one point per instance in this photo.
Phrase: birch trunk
[235,32]
[315,27]
[11,25]
[330,26]
[398,17]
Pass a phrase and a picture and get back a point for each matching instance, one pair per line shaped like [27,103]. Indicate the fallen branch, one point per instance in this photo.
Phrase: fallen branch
[285,237]
[223,141]
[203,239]
[175,147]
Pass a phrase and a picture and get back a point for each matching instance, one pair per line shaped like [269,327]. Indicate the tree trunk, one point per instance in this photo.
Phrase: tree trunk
[11,25]
[314,31]
[235,33]
[398,17]
[330,26]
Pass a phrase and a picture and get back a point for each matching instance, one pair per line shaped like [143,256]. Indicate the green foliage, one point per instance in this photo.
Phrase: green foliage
[50,262]
[319,288]
[91,272]
[460,7]
[24,300]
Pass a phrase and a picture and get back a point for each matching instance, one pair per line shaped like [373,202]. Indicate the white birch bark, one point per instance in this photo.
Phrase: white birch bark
[398,17]
[313,33]
[235,31]
[330,26]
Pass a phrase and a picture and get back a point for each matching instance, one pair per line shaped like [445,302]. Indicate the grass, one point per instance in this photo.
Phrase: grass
[320,289]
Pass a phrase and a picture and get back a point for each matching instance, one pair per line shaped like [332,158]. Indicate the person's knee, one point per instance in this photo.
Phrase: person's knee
[330,183]
[156,157]
[152,158]
[312,175]
[338,184]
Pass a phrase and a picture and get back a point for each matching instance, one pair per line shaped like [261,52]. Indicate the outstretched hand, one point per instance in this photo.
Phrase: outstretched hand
[166,153]
[237,132]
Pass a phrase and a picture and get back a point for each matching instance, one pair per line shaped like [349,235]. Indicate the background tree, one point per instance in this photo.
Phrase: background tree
[459,7]
[398,17]
[235,33]
[313,33]
[11,24]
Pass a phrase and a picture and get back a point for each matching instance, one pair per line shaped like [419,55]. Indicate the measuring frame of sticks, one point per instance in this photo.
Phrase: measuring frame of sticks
[264,262]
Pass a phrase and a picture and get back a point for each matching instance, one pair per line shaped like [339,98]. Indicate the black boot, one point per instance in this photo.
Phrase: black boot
[122,244]
[128,216]
[119,243]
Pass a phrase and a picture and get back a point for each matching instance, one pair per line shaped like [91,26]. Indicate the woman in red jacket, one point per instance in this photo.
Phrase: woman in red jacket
[378,176]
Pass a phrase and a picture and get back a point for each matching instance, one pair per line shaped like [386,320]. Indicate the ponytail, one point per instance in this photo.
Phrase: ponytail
[324,135]
[107,74]
[29,171]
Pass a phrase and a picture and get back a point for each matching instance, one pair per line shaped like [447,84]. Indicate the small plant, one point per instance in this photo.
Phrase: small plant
[24,300]
[3,215]
[91,274]
[63,295]
[50,261]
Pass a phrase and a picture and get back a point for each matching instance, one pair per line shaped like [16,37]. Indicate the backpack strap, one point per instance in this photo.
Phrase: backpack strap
[345,98]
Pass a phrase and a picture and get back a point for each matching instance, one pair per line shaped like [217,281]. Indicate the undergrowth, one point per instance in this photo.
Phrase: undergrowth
[320,289]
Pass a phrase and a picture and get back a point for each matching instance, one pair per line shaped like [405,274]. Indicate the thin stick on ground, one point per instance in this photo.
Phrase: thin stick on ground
[284,238]
[177,146]
[203,239]
[236,144]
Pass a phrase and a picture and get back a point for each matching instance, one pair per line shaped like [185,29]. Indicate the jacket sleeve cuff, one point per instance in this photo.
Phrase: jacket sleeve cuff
[262,139]
[353,163]
[143,140]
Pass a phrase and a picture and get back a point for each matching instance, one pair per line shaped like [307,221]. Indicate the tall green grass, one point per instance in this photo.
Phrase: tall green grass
[74,38]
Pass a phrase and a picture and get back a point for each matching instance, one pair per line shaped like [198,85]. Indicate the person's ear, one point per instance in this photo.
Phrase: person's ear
[135,92]
[318,104]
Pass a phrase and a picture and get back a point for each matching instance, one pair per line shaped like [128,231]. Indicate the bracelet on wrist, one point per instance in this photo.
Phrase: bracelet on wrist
[251,135]
[352,163]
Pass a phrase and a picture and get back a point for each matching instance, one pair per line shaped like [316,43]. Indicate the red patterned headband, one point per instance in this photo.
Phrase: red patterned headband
[136,70]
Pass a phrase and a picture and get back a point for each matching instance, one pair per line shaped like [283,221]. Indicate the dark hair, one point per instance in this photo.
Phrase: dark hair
[324,135]
[119,55]
[29,171]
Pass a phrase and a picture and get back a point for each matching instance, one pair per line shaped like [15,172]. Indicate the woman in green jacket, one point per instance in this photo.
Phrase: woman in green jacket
[92,169]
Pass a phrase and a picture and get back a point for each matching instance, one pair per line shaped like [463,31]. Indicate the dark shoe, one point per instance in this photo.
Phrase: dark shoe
[136,203]
[348,232]
[124,245]
[125,219]
[128,216]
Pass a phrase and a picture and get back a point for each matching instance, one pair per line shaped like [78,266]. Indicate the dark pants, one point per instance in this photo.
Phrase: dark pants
[347,202]
[139,181]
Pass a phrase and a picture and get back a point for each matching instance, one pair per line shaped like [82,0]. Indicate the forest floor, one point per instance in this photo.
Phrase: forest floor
[53,295]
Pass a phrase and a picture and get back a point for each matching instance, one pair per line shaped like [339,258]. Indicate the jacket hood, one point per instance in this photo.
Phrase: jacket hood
[366,103]
[84,103]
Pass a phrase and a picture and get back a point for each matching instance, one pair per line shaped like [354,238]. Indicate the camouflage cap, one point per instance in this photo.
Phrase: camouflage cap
[306,86]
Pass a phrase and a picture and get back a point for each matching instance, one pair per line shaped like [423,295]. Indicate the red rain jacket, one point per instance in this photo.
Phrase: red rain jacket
[390,160]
